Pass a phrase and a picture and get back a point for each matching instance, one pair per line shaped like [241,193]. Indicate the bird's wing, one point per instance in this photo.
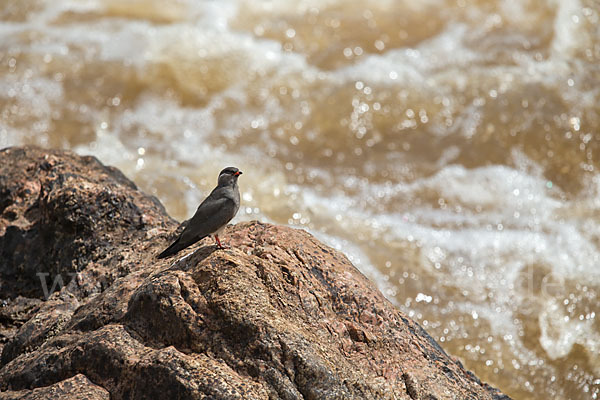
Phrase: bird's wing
[214,212]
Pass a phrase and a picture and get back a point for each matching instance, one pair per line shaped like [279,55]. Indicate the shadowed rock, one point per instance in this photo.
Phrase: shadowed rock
[277,316]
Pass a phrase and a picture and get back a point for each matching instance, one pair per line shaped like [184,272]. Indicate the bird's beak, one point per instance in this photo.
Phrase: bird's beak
[238,173]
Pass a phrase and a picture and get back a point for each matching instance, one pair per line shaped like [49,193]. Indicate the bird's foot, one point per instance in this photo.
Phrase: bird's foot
[219,245]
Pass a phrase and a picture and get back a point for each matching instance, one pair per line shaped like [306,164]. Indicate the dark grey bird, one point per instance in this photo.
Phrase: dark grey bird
[212,214]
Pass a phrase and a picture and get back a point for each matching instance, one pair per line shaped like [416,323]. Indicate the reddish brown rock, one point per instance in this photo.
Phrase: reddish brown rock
[277,316]
[75,388]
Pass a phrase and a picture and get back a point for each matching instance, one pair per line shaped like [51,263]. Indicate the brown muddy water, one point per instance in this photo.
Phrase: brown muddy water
[450,148]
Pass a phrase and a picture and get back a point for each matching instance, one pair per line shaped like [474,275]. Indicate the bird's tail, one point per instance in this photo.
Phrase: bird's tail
[172,249]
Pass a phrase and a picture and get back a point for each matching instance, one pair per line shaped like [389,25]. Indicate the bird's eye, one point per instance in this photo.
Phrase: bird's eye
[229,171]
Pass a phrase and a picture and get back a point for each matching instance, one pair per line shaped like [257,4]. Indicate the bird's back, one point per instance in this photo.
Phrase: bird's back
[214,212]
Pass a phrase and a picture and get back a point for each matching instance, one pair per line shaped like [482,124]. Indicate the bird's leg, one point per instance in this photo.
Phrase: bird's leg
[219,245]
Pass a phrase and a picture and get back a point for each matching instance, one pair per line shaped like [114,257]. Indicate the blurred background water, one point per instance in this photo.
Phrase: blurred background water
[449,148]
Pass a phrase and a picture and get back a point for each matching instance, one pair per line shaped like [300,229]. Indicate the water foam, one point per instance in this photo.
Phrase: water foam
[483,231]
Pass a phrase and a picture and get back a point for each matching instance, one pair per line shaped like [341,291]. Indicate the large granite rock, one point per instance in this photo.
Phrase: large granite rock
[279,315]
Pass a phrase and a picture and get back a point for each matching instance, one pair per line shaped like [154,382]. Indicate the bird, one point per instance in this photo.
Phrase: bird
[212,214]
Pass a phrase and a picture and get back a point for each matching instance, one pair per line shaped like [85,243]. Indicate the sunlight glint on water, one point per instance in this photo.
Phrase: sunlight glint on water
[450,148]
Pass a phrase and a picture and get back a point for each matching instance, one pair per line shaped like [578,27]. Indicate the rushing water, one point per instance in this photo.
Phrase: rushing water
[450,148]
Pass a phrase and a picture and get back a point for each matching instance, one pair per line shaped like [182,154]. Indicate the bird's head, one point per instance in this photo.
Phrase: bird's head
[229,176]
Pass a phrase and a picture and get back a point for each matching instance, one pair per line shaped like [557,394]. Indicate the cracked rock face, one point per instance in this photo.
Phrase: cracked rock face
[279,315]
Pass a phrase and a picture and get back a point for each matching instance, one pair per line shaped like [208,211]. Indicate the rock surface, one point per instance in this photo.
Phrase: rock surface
[76,388]
[279,315]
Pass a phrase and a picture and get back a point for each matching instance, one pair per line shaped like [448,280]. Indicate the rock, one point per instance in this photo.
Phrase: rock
[278,315]
[76,388]
[14,313]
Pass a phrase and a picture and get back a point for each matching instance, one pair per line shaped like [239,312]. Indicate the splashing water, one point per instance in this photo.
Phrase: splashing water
[450,148]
